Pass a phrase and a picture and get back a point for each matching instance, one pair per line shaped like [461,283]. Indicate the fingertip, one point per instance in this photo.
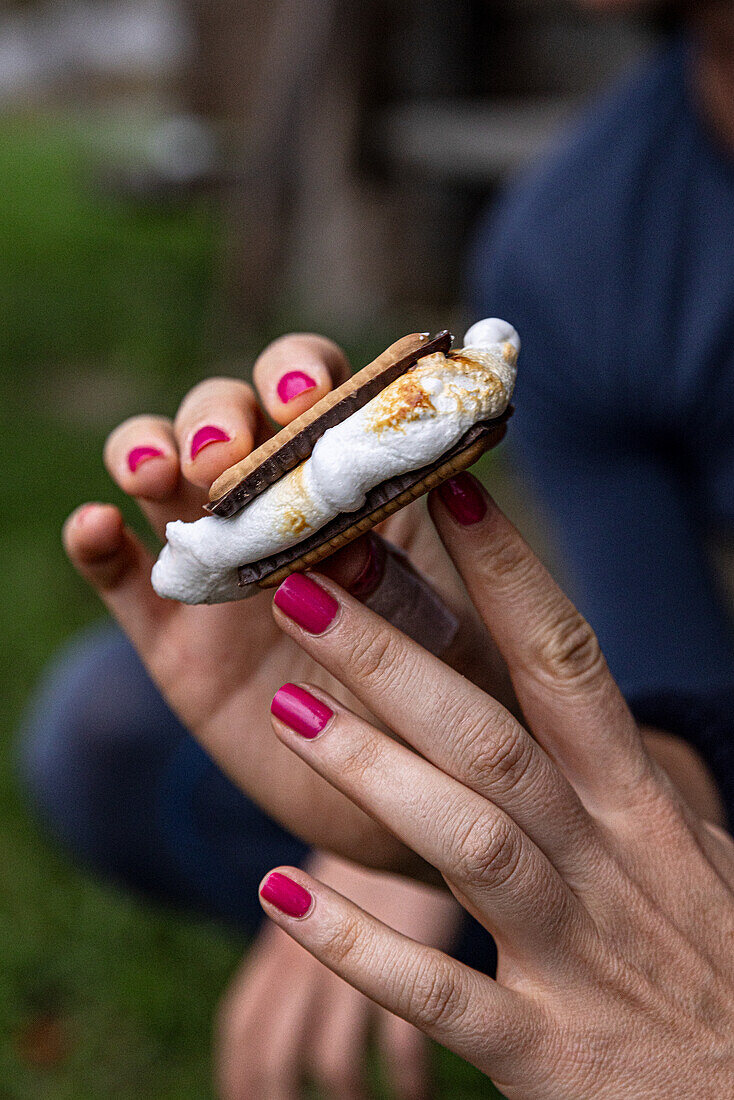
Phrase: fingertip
[92,532]
[293,384]
[211,449]
[280,870]
[281,890]
[463,498]
[295,372]
[141,457]
[216,427]
[156,480]
[291,393]
[358,567]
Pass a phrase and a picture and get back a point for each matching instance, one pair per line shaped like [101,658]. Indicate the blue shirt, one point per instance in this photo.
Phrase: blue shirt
[614,259]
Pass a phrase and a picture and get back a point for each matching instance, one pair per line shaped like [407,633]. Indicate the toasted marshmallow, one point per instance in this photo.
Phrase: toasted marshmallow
[410,424]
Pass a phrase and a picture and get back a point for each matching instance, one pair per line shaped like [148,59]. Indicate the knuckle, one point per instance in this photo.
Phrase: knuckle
[370,655]
[512,1037]
[501,756]
[571,653]
[488,853]
[505,558]
[436,998]
[343,941]
[361,758]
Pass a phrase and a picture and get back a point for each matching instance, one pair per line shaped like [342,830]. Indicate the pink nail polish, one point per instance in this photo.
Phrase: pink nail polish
[206,435]
[464,498]
[300,710]
[306,603]
[138,455]
[286,895]
[293,383]
[372,572]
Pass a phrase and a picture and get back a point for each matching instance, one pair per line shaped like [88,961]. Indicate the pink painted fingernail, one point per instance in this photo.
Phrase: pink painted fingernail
[206,435]
[293,383]
[138,455]
[372,572]
[306,603]
[300,710]
[464,498]
[286,895]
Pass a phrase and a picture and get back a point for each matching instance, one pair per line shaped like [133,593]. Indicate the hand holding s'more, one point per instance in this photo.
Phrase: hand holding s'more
[350,454]
[414,417]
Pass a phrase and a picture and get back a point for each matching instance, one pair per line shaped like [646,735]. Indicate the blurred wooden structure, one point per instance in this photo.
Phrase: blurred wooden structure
[367,134]
[362,135]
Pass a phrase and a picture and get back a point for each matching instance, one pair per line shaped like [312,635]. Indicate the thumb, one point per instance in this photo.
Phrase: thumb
[381,575]
[117,565]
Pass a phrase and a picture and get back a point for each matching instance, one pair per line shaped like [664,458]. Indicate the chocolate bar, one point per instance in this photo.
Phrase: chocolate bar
[243,482]
[380,502]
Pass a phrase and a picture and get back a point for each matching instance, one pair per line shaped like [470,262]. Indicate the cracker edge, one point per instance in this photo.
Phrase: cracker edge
[407,348]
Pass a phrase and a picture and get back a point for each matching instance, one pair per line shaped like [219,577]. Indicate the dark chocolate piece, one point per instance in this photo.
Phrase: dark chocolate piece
[300,445]
[376,498]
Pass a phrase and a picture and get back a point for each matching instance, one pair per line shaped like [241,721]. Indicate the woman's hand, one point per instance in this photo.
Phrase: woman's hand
[611,902]
[217,666]
[286,1018]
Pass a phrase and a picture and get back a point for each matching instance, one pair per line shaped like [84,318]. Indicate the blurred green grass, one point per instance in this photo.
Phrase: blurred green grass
[105,309]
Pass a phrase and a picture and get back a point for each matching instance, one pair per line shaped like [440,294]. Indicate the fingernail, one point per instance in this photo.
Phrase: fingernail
[464,499]
[300,710]
[372,571]
[293,383]
[206,435]
[286,895]
[138,455]
[306,603]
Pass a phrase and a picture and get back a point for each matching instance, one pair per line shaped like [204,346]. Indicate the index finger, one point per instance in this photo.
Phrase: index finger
[447,719]
[565,689]
[444,998]
[296,371]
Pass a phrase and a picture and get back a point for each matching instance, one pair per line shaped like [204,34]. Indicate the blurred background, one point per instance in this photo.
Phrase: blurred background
[181,180]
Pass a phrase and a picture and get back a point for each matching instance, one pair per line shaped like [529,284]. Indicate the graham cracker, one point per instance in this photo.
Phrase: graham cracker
[248,478]
[382,501]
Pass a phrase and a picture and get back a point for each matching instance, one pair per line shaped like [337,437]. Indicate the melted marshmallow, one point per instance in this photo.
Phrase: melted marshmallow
[410,424]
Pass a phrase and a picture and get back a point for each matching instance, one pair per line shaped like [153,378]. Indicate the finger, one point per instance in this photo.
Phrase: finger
[564,687]
[445,717]
[264,1024]
[445,999]
[474,845]
[381,576]
[296,371]
[264,1059]
[406,1056]
[338,1044]
[215,426]
[118,566]
[141,456]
